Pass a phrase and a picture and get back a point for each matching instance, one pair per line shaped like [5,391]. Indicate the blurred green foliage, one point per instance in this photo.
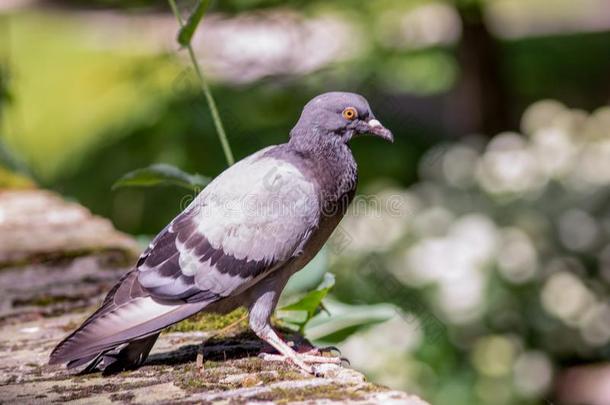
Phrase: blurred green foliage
[71,95]
[299,313]
[500,254]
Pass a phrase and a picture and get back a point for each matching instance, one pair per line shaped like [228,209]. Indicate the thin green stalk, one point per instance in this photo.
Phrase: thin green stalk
[224,141]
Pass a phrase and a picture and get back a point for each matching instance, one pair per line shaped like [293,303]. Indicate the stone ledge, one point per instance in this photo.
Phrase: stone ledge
[231,373]
[39,225]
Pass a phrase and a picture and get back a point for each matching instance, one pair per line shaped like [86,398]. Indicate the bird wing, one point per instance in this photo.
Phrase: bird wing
[251,219]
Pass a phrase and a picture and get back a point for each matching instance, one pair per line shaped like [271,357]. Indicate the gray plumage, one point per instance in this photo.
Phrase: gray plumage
[245,234]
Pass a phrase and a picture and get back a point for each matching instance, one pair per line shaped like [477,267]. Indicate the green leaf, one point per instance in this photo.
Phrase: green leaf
[161,174]
[343,320]
[188,29]
[309,305]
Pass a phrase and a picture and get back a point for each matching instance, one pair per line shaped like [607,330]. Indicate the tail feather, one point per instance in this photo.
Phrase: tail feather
[84,360]
[125,357]
[138,319]
[124,317]
[129,357]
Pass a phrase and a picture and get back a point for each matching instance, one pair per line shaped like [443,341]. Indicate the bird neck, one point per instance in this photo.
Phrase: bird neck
[315,141]
[331,160]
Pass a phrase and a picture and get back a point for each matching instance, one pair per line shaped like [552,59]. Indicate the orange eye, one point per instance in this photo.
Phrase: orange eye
[350,113]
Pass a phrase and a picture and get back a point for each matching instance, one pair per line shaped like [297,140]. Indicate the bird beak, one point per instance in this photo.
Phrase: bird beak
[375,128]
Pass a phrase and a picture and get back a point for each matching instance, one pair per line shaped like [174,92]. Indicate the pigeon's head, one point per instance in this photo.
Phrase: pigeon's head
[339,115]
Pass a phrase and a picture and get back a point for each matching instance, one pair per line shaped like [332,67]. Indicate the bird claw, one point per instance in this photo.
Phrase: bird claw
[320,351]
[303,357]
[330,349]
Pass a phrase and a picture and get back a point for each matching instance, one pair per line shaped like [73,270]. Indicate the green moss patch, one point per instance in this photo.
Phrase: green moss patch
[216,376]
[80,391]
[330,392]
[206,322]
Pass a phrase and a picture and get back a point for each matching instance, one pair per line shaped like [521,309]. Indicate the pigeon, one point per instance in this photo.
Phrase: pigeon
[237,244]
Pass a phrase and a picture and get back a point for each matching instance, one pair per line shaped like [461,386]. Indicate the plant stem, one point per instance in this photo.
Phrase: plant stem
[224,141]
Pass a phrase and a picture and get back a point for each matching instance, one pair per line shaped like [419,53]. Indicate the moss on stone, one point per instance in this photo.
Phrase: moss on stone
[123,397]
[123,258]
[192,379]
[250,365]
[333,392]
[217,375]
[210,364]
[269,372]
[80,391]
[206,322]
[42,301]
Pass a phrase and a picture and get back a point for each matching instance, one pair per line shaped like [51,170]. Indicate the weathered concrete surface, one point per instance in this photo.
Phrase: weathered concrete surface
[47,293]
[37,225]
[55,256]
[232,372]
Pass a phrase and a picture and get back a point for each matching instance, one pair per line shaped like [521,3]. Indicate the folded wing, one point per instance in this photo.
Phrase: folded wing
[252,219]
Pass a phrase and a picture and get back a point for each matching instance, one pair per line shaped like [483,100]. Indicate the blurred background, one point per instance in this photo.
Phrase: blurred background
[475,267]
